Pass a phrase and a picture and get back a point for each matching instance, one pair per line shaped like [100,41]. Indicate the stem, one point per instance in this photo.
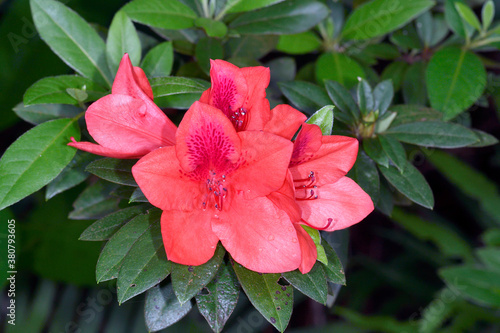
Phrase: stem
[483,42]
[206,11]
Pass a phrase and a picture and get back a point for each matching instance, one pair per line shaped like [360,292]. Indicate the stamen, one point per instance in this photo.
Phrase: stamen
[311,179]
[215,191]
[239,119]
[329,223]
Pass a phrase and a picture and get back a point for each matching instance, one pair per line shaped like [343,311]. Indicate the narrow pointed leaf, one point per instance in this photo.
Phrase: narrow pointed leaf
[487,14]
[170,14]
[490,256]
[95,202]
[39,113]
[312,284]
[383,95]
[236,6]
[159,61]
[323,118]
[365,97]
[394,150]
[366,175]
[414,113]
[114,170]
[305,96]
[138,196]
[342,99]
[374,150]
[468,15]
[177,92]
[334,270]
[485,139]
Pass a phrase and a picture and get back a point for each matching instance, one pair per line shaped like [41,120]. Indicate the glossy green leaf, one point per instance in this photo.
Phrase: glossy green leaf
[104,228]
[72,39]
[491,237]
[159,60]
[35,159]
[162,309]
[378,17]
[395,71]
[374,150]
[478,285]
[116,249]
[206,49]
[366,175]
[189,280]
[485,139]
[312,284]
[414,113]
[340,68]
[323,118]
[414,84]
[288,17]
[410,183]
[138,196]
[95,202]
[334,270]
[433,134]
[273,300]
[211,27]
[53,90]
[72,175]
[490,256]
[456,78]
[114,170]
[383,95]
[170,14]
[365,97]
[301,43]
[487,14]
[468,15]
[122,38]
[343,100]
[177,92]
[305,96]
[316,237]
[453,18]
[425,29]
[218,304]
[39,113]
[250,46]
[145,265]
[384,122]
[394,151]
[236,6]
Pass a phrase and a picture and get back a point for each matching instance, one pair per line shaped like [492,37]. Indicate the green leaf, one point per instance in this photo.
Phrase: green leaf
[177,92]
[189,280]
[305,96]
[206,49]
[159,60]
[211,27]
[334,270]
[114,170]
[72,175]
[116,249]
[301,43]
[468,15]
[53,90]
[365,97]
[394,151]
[162,308]
[487,14]
[145,265]
[323,118]
[271,299]
[72,39]
[250,46]
[378,17]
[312,284]
[414,113]
[425,28]
[138,196]
[95,202]
[366,175]
[384,122]
[485,139]
[453,18]
[218,304]
[395,71]
[478,285]
[170,14]
[343,100]
[433,134]
[338,67]
[374,150]
[39,113]
[410,183]
[491,237]
[236,6]
[122,38]
[414,84]
[104,228]
[490,256]
[316,237]
[456,78]
[35,159]
[288,17]
[383,95]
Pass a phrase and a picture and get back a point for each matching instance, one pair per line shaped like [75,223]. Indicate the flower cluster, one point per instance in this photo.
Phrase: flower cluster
[230,172]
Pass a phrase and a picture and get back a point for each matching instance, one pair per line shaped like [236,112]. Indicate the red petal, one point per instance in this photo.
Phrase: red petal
[338,206]
[206,140]
[100,150]
[308,250]
[266,158]
[129,125]
[188,237]
[284,199]
[307,143]
[258,235]
[131,81]
[332,161]
[143,82]
[161,180]
[259,113]
[285,121]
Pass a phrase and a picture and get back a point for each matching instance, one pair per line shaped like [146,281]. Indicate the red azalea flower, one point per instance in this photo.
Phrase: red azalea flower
[213,185]
[127,123]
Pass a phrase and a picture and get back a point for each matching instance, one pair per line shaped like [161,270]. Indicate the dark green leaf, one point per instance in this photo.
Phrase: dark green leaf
[373,148]
[323,118]
[72,39]
[272,300]
[424,27]
[138,196]
[53,90]
[378,17]
[306,97]
[250,46]
[410,183]
[236,6]
[394,150]
[485,139]
[365,97]
[189,280]
[35,159]
[414,113]
[113,170]
[414,84]
[433,134]
[456,78]
[177,92]
[338,67]
[386,202]
[490,256]
[312,284]
[395,71]
[289,17]
[159,61]
[39,113]
[491,237]
[145,265]
[170,14]
[301,43]
[104,228]
[407,39]
[343,100]
[211,27]
[162,308]
[383,95]
[116,249]
[206,49]
[122,38]
[366,175]
[95,202]
[334,270]
[222,297]
[453,17]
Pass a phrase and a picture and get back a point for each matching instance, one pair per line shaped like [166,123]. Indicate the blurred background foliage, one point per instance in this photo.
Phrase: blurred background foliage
[412,270]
